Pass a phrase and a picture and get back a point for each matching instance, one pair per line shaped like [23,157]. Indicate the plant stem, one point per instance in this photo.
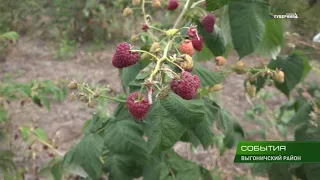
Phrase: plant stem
[107,97]
[146,52]
[48,144]
[185,8]
[197,3]
[168,46]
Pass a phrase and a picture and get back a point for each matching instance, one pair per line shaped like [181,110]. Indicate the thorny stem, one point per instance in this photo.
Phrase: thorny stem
[106,97]
[176,65]
[167,69]
[48,144]
[146,52]
[169,44]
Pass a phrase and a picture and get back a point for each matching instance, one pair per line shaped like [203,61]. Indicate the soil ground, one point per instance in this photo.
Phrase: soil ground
[33,60]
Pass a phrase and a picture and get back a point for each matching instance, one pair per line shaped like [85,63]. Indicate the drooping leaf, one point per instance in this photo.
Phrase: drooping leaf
[87,154]
[247,22]
[207,78]
[125,137]
[294,66]
[272,40]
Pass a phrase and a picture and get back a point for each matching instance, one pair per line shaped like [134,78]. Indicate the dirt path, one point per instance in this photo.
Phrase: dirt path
[33,60]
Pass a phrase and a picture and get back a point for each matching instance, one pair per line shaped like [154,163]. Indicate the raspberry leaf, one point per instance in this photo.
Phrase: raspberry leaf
[122,166]
[295,67]
[272,40]
[247,22]
[207,78]
[125,137]
[87,154]
[214,41]
[129,74]
[163,129]
[156,169]
[202,132]
[216,4]
[188,112]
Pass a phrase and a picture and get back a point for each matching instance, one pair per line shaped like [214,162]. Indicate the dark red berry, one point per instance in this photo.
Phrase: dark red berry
[208,22]
[186,87]
[45,147]
[51,155]
[197,43]
[123,57]
[172,5]
[145,27]
[138,105]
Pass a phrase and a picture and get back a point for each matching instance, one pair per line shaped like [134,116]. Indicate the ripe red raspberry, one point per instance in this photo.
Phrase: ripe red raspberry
[208,22]
[197,43]
[186,87]
[123,57]
[138,105]
[186,47]
[172,5]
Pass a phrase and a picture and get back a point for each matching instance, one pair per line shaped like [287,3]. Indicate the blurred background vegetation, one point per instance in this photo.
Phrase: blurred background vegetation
[96,20]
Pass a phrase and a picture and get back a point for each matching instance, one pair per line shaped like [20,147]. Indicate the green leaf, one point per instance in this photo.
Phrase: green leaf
[204,55]
[122,167]
[225,25]
[37,100]
[272,40]
[212,5]
[207,77]
[96,124]
[186,170]
[203,131]
[302,115]
[155,169]
[163,129]
[57,170]
[25,132]
[87,154]
[279,172]
[125,137]
[294,66]
[129,74]
[40,134]
[214,41]
[247,22]
[187,112]
[46,102]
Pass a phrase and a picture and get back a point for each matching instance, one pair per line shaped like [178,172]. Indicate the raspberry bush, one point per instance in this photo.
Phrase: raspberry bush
[168,94]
